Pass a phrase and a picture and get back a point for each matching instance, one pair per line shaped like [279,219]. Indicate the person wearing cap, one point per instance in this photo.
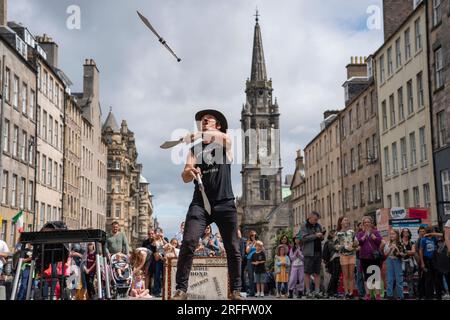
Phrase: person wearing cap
[210,158]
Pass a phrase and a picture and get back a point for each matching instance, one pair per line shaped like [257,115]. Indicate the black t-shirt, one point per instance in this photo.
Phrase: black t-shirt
[259,256]
[148,244]
[440,258]
[216,172]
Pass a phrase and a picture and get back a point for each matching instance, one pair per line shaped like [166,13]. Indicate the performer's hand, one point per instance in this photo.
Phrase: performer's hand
[194,172]
[191,137]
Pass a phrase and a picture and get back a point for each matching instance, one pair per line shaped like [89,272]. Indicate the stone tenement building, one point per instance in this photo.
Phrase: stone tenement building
[298,195]
[18,125]
[128,195]
[85,156]
[261,201]
[50,133]
[72,164]
[342,167]
[323,171]
[93,154]
[402,80]
[38,139]
[439,70]
[51,85]
[361,178]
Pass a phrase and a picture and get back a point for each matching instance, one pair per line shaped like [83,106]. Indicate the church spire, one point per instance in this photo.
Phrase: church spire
[258,62]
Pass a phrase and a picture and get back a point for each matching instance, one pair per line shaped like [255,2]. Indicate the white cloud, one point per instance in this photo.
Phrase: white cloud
[307,45]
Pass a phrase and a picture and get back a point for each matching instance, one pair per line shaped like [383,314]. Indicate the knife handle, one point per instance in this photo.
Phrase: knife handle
[199,180]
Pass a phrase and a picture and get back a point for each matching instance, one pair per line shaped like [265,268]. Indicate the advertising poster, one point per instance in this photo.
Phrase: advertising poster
[412,224]
[383,222]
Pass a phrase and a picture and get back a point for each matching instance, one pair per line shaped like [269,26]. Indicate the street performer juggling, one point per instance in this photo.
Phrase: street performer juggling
[209,164]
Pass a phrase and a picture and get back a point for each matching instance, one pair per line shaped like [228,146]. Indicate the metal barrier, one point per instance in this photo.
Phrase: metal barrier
[50,248]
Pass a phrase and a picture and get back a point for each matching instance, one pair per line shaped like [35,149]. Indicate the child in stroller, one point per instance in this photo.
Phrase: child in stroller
[120,266]
[121,275]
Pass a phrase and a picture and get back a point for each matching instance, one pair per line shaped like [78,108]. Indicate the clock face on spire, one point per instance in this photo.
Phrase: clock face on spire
[262,151]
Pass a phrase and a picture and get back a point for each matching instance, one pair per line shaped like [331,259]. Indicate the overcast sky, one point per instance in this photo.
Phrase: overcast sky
[307,45]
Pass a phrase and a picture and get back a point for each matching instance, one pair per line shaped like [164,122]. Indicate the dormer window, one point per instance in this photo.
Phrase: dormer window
[347,94]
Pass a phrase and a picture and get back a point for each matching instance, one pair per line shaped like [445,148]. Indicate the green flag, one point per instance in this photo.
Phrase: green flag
[17,216]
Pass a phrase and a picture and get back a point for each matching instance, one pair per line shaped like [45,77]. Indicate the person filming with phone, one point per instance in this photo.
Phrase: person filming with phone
[312,234]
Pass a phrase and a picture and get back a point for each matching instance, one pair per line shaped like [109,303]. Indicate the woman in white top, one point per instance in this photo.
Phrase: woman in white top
[346,245]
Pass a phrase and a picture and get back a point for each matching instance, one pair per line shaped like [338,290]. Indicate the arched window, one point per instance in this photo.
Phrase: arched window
[264,188]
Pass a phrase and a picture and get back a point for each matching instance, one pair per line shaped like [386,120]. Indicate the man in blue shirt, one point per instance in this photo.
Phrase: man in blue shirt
[428,246]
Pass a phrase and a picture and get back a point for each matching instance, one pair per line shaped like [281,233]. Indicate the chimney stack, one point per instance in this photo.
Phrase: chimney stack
[299,160]
[357,67]
[3,13]
[50,48]
[91,78]
[395,13]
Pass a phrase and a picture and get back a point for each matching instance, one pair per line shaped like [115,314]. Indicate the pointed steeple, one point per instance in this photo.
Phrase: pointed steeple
[258,61]
[110,122]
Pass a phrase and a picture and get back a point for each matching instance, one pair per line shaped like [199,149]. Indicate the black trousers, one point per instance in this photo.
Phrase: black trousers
[225,216]
[90,285]
[421,284]
[433,281]
[335,272]
[440,290]
[243,279]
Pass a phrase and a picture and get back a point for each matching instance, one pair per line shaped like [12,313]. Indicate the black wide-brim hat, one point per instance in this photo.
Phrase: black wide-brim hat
[216,114]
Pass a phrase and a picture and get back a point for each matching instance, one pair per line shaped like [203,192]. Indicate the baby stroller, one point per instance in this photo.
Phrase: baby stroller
[121,275]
